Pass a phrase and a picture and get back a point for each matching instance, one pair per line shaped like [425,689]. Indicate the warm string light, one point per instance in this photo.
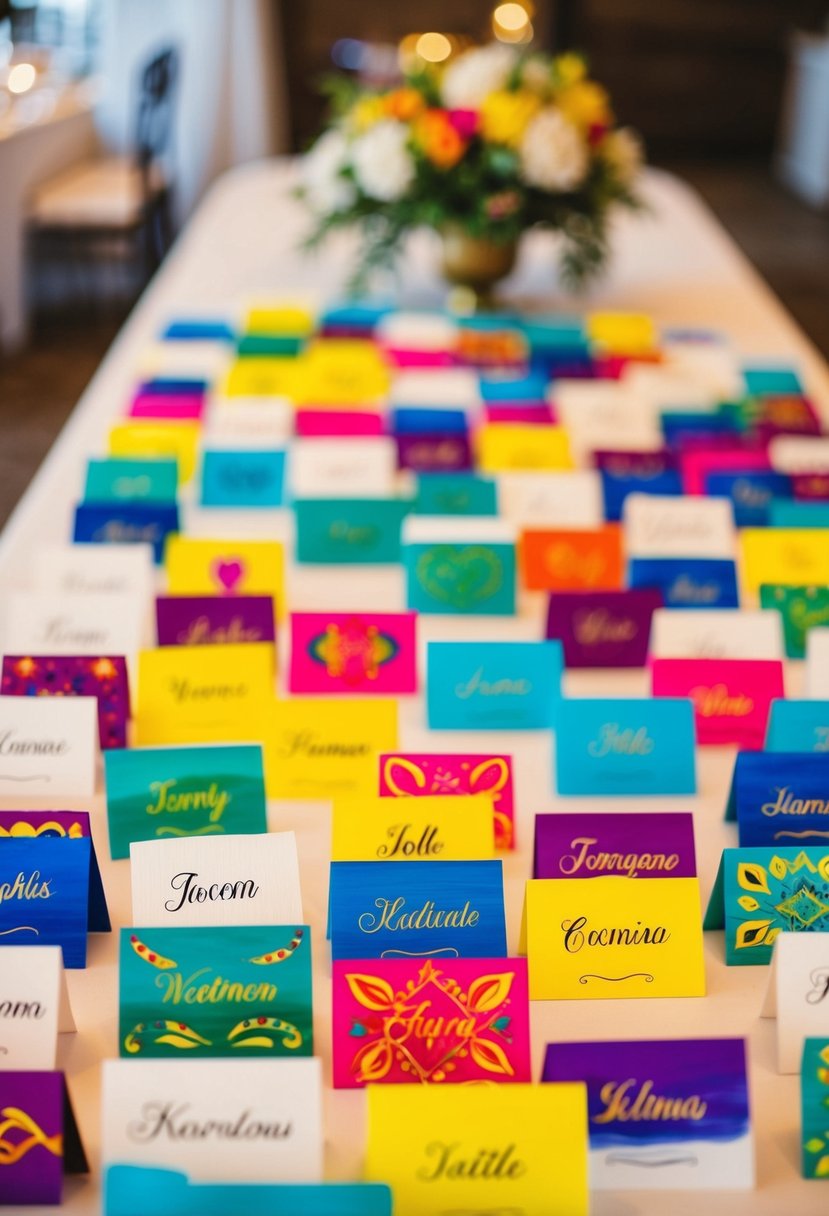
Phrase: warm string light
[21,78]
[512,22]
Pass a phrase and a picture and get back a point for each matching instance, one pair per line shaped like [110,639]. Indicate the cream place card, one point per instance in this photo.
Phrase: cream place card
[603,414]
[669,526]
[41,623]
[249,422]
[228,880]
[557,500]
[345,467]
[93,570]
[817,664]
[718,633]
[48,746]
[663,387]
[799,454]
[451,387]
[220,1120]
[798,994]
[34,1006]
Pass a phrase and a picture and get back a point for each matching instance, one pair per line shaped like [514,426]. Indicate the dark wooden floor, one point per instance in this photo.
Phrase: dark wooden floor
[787,241]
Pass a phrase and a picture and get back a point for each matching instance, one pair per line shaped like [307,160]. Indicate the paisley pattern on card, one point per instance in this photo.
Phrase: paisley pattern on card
[413,775]
[815,1106]
[20,1133]
[353,652]
[104,678]
[788,893]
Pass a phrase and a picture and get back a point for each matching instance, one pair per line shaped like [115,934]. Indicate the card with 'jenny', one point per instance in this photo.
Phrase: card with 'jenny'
[34,1005]
[603,628]
[241,990]
[77,625]
[48,746]
[345,652]
[678,527]
[41,1139]
[493,685]
[433,828]
[459,565]
[416,1021]
[103,677]
[726,633]
[798,726]
[640,844]
[197,566]
[797,995]
[214,620]
[731,697]
[780,798]
[422,775]
[87,570]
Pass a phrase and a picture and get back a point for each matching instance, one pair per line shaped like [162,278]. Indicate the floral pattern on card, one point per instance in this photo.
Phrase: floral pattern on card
[420,775]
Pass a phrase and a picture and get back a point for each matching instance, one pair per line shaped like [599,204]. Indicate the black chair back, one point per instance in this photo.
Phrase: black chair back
[156,110]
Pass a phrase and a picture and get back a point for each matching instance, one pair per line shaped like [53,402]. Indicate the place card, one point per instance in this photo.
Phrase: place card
[415,774]
[789,513]
[166,406]
[232,880]
[601,413]
[492,685]
[123,480]
[87,570]
[752,495]
[341,371]
[143,437]
[350,531]
[126,523]
[797,995]
[215,567]
[441,452]
[213,620]
[325,423]
[700,464]
[260,1120]
[414,1021]
[345,652]
[455,494]
[345,467]
[209,992]
[614,746]
[48,746]
[78,625]
[157,793]
[104,678]
[640,473]
[640,844]
[255,422]
[798,454]
[703,583]
[817,664]
[760,893]
[678,527]
[245,477]
[459,566]
[504,446]
[432,828]
[41,1137]
[564,501]
[724,633]
[798,726]
[673,1113]
[731,696]
[260,376]
[463,1142]
[780,798]
[603,628]
[814,1092]
[791,556]
[34,1006]
[572,560]
[405,909]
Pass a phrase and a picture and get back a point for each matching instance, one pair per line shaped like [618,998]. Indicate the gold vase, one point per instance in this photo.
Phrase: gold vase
[475,262]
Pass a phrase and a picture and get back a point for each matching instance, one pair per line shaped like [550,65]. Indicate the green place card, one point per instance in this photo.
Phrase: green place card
[124,479]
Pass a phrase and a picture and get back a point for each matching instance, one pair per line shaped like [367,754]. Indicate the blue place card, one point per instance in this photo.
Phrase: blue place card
[399,909]
[513,389]
[455,494]
[124,479]
[349,531]
[617,486]
[423,420]
[798,726]
[752,494]
[626,746]
[244,478]
[686,582]
[199,329]
[676,424]
[175,386]
[780,798]
[45,894]
[493,685]
[126,524]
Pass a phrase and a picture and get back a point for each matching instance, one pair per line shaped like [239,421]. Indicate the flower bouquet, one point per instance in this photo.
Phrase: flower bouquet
[480,150]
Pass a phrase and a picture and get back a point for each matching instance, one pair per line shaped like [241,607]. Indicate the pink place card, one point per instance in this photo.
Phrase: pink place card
[697,463]
[178,406]
[731,697]
[430,1021]
[400,357]
[311,422]
[412,774]
[353,652]
[537,414]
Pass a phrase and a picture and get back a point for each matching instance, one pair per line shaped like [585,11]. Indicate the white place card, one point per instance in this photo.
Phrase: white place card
[817,665]
[218,1120]
[668,388]
[94,570]
[455,388]
[249,422]
[552,500]
[203,358]
[228,880]
[237,523]
[424,331]
[457,529]
[798,994]
[346,467]
[48,746]
[712,364]
[604,415]
[799,454]
[34,1006]
[658,525]
[719,633]
[43,623]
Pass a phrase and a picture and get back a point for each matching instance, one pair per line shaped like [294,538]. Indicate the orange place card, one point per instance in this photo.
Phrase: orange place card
[589,560]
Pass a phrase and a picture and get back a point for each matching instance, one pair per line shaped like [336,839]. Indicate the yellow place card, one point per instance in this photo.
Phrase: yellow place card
[259,376]
[488,1149]
[622,333]
[279,318]
[792,556]
[226,567]
[139,438]
[504,446]
[322,749]
[432,828]
[613,937]
[342,371]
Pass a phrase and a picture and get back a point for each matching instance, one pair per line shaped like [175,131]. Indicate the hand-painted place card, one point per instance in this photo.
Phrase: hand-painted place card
[469,1147]
[104,678]
[572,560]
[415,1021]
[214,620]
[47,746]
[155,793]
[125,480]
[351,652]
[349,531]
[126,523]
[603,628]
[34,1006]
[780,798]
[678,527]
[418,775]
[40,1138]
[721,633]
[260,1120]
[197,566]
[134,1190]
[622,747]
[731,697]
[814,1099]
[243,477]
[228,880]
[409,909]
[493,685]
[801,609]
[455,494]
[798,726]
[91,625]
[640,844]
[460,566]
[433,828]
[688,582]
[797,996]
[218,991]
[760,893]
[670,1114]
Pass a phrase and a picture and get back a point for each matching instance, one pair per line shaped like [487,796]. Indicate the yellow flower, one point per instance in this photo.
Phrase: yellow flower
[569,69]
[505,115]
[586,104]
[367,111]
[439,139]
[403,104]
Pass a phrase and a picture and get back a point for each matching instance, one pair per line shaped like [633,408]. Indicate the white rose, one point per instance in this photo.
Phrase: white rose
[554,155]
[473,75]
[325,189]
[622,150]
[382,163]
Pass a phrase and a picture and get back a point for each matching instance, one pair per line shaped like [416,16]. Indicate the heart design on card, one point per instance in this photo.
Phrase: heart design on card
[460,577]
[228,573]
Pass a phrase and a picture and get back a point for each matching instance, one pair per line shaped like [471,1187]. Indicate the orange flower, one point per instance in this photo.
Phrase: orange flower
[404,104]
[439,139]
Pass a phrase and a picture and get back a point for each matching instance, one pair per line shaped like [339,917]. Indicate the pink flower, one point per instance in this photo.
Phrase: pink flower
[465,122]
[499,206]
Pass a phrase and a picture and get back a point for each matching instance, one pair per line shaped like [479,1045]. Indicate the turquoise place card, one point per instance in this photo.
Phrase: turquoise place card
[455,494]
[792,513]
[349,531]
[242,478]
[493,685]
[459,566]
[123,479]
[622,747]
[798,726]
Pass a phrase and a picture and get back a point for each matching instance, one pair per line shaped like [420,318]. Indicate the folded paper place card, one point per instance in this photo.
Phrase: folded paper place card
[37,623]
[727,633]
[801,609]
[198,566]
[214,620]
[798,726]
[158,438]
[410,909]
[505,446]
[476,1149]
[641,844]
[157,793]
[229,880]
[343,652]
[780,798]
[814,1096]
[103,677]
[362,467]
[459,566]
[817,663]
[416,1021]
[455,494]
[125,480]
[417,775]
[791,556]
[434,828]
[493,685]
[48,746]
[349,531]
[688,582]
[144,524]
[572,559]
[244,477]
[552,500]
[731,697]
[259,1120]
[40,1137]
[621,747]
[87,570]
[34,1004]
[603,628]
[798,994]
[670,1114]
[678,527]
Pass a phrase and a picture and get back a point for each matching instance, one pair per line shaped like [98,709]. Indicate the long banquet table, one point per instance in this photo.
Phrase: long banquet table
[674,262]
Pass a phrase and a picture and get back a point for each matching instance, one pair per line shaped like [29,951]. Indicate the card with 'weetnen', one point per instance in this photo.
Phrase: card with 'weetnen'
[639,844]
[731,697]
[417,775]
[104,678]
[603,628]
[214,620]
[493,685]
[434,828]
[798,726]
[353,652]
[780,798]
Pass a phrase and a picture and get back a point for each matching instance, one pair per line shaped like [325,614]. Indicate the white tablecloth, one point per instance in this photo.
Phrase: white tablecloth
[676,263]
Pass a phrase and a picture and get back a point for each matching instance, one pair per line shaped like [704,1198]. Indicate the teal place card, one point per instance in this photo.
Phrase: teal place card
[455,494]
[236,990]
[247,477]
[349,531]
[493,685]
[459,578]
[124,479]
[814,1099]
[158,793]
[798,726]
[627,746]
[801,607]
[792,513]
[772,378]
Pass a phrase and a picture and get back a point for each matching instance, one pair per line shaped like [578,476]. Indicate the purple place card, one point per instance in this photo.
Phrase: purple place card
[636,464]
[629,845]
[444,453]
[104,678]
[603,628]
[31,1139]
[208,620]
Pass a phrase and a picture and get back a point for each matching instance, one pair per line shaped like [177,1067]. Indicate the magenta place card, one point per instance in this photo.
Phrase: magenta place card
[311,422]
[353,652]
[180,407]
[411,774]
[103,677]
[603,628]
[211,620]
[731,697]
[639,844]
